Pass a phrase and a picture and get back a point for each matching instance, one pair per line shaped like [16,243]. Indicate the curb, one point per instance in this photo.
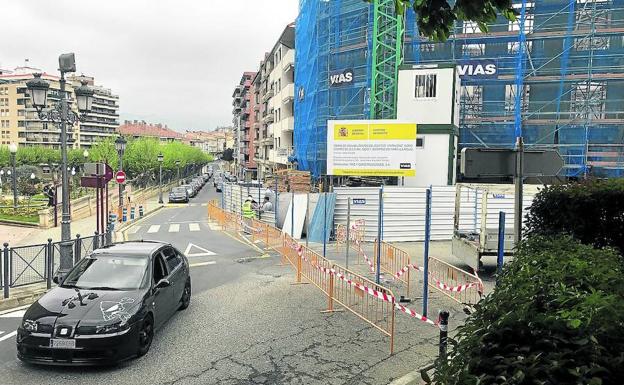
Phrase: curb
[21,300]
[122,229]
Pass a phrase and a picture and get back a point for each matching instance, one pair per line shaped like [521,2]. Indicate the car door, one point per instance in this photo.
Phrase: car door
[163,296]
[177,274]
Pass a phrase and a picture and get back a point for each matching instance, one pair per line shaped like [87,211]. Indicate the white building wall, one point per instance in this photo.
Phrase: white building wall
[429,161]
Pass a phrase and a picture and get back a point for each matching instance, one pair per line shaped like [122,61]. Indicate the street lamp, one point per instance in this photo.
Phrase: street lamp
[62,115]
[13,151]
[120,146]
[160,162]
[177,162]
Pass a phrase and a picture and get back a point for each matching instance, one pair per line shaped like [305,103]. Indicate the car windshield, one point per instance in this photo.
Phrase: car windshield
[179,190]
[110,272]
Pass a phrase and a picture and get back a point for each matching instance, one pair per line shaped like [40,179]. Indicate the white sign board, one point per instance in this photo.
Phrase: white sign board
[371,148]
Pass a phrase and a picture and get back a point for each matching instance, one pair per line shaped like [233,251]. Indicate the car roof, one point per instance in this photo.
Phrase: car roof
[132,248]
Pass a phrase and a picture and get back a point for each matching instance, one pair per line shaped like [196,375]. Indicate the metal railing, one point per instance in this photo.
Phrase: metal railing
[32,264]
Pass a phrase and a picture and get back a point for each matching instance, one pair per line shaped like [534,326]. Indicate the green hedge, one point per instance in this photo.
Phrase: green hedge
[556,317]
[590,211]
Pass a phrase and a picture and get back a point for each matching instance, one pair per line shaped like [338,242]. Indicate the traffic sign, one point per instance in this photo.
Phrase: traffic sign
[488,162]
[120,177]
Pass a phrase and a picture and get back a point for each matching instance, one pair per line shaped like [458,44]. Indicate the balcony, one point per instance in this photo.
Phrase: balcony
[236,110]
[288,124]
[288,61]
[288,93]
[268,95]
[256,108]
[268,118]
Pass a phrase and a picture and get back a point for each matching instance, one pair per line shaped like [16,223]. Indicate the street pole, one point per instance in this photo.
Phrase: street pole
[67,260]
[121,186]
[379,234]
[348,230]
[160,195]
[519,190]
[14,182]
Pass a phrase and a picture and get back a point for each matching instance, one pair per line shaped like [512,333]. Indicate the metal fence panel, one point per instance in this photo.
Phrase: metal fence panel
[27,265]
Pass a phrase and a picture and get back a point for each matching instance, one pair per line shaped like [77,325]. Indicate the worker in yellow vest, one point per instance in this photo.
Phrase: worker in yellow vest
[248,211]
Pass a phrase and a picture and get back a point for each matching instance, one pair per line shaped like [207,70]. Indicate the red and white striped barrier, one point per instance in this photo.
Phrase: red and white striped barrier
[375,293]
[441,285]
[361,251]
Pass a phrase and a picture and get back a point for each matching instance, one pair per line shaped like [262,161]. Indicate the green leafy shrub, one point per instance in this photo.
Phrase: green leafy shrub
[590,211]
[556,317]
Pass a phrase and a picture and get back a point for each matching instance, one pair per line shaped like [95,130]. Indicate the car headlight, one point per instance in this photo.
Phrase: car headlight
[30,325]
[111,328]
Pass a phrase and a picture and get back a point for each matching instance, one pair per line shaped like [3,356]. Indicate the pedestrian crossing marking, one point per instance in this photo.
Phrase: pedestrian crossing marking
[134,230]
[174,228]
[202,264]
[6,337]
[193,226]
[214,226]
[153,229]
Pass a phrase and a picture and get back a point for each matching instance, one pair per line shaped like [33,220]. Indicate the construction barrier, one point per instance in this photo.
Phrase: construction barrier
[455,283]
[392,260]
[356,234]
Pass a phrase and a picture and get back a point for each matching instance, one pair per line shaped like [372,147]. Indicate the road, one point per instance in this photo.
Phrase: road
[247,324]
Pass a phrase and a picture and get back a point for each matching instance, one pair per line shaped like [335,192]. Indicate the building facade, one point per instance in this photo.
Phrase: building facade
[19,122]
[275,91]
[555,77]
[244,131]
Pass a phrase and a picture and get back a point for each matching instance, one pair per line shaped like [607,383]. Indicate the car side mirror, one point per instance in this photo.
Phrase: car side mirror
[55,279]
[163,283]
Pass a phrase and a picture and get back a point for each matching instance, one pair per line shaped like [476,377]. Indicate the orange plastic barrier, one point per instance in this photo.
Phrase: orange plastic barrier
[392,260]
[444,277]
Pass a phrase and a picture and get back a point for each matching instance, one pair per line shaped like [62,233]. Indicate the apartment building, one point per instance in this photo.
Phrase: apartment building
[212,142]
[19,122]
[274,85]
[244,107]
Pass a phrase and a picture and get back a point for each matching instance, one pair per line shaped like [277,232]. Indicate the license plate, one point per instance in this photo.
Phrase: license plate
[62,343]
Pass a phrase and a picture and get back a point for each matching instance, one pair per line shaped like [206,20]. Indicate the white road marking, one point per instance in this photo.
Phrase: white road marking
[202,264]
[214,226]
[134,229]
[174,228]
[15,314]
[12,334]
[194,226]
[203,253]
[153,229]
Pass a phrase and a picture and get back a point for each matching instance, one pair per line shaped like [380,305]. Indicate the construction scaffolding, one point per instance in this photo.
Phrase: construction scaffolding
[331,37]
[570,54]
[559,80]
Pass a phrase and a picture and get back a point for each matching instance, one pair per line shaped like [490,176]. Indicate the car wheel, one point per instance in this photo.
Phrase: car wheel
[185,301]
[146,335]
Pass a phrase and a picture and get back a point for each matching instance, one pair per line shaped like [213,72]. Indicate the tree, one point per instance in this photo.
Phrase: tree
[436,17]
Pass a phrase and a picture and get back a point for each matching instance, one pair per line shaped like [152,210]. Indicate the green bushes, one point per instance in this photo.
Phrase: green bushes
[591,211]
[556,317]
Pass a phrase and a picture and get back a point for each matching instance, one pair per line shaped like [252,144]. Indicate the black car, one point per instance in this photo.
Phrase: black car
[108,306]
[178,194]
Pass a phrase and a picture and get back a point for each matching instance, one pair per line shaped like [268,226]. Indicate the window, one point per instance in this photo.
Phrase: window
[473,49]
[172,258]
[472,101]
[510,98]
[420,142]
[591,15]
[470,27]
[425,86]
[588,100]
[160,269]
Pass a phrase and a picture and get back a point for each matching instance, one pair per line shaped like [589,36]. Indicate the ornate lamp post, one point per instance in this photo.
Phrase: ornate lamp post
[61,115]
[120,146]
[13,151]
[160,162]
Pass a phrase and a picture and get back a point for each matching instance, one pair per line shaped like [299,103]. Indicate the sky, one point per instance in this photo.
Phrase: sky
[174,62]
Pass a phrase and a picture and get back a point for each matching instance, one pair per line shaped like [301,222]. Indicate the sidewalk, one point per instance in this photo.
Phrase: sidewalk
[21,236]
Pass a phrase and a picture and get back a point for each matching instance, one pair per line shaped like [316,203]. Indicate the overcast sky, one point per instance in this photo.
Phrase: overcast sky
[170,61]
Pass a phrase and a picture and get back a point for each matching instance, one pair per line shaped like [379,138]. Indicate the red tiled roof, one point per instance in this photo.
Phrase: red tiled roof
[150,130]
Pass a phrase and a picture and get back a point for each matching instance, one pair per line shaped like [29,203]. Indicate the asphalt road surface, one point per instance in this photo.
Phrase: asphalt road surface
[247,324]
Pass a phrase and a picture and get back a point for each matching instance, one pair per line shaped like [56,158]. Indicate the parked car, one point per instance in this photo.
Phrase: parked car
[108,307]
[219,185]
[178,194]
[189,190]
